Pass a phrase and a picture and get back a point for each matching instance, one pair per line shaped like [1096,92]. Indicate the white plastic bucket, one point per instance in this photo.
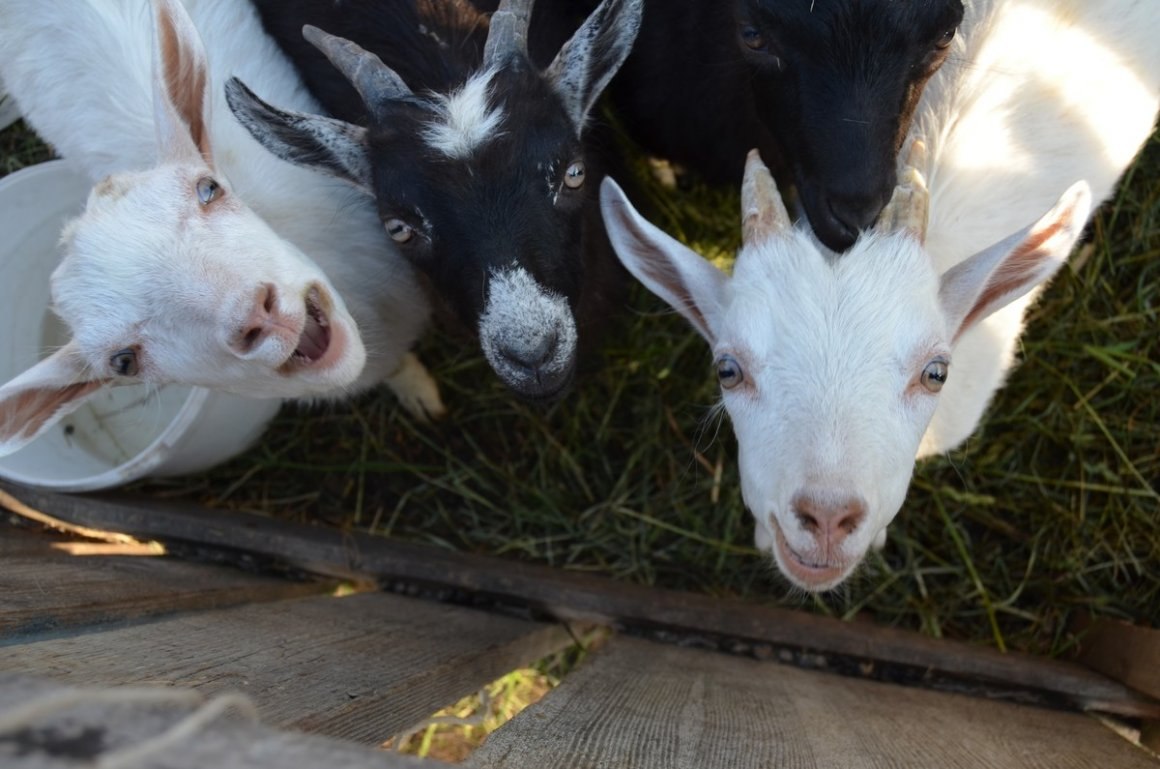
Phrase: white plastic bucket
[123,433]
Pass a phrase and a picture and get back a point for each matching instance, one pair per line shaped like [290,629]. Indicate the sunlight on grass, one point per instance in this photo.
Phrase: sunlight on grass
[455,732]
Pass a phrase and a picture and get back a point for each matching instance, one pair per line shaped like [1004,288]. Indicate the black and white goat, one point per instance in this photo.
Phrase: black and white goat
[477,158]
[825,90]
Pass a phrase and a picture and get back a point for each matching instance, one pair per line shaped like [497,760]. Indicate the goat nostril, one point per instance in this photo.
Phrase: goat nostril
[247,339]
[251,338]
[808,522]
[263,307]
[832,518]
[268,296]
[855,513]
[849,523]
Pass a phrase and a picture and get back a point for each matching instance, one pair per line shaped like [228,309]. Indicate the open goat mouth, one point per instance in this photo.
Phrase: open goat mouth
[813,574]
[314,341]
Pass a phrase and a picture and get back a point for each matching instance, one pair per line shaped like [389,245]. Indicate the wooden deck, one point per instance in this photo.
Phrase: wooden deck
[135,659]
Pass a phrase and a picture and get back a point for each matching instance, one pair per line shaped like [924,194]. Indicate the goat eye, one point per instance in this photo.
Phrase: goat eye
[752,37]
[208,190]
[124,362]
[945,40]
[934,376]
[729,372]
[574,176]
[399,230]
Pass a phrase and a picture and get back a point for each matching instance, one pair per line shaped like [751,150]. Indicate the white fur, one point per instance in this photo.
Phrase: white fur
[1038,94]
[833,348]
[466,118]
[146,265]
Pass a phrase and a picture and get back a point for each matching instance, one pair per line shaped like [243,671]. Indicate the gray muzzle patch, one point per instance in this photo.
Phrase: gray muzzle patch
[528,334]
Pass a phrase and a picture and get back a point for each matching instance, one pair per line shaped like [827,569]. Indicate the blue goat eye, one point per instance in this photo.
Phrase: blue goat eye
[934,376]
[729,372]
[574,176]
[208,190]
[124,362]
[399,230]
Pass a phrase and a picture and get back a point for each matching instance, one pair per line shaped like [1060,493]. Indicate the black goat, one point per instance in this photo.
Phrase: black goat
[824,88]
[479,160]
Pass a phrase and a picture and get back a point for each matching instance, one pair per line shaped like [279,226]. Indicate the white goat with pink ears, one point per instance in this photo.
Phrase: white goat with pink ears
[838,371]
[200,258]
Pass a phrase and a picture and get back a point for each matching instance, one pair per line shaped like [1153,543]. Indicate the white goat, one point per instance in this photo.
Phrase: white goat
[831,367]
[168,276]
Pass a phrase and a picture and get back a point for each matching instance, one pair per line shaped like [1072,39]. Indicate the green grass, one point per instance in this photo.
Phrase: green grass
[1050,509]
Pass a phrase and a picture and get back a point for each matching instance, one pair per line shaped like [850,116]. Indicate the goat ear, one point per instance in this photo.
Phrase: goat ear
[995,277]
[672,271]
[594,54]
[181,99]
[313,141]
[43,395]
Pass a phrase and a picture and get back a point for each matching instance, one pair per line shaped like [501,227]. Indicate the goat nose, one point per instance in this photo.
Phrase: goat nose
[855,213]
[531,354]
[829,520]
[262,317]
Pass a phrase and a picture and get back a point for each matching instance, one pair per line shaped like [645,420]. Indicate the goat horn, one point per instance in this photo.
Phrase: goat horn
[763,213]
[507,32]
[909,206]
[375,82]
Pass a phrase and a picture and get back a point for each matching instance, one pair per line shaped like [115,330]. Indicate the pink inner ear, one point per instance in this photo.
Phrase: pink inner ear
[27,412]
[1025,263]
[662,271]
[184,72]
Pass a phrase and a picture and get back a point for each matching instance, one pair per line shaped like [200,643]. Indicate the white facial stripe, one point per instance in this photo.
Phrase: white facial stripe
[465,118]
[520,314]
[550,179]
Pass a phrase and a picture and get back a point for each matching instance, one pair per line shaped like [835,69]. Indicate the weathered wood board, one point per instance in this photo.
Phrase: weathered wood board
[573,596]
[47,726]
[46,590]
[1125,652]
[363,667]
[643,705]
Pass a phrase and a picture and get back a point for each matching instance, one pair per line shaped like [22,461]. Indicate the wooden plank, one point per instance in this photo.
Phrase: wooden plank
[1128,653]
[363,667]
[18,540]
[643,705]
[45,590]
[573,596]
[158,729]
[1150,736]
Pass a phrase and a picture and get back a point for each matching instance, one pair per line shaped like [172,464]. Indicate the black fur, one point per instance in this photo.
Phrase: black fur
[387,28]
[469,215]
[829,119]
